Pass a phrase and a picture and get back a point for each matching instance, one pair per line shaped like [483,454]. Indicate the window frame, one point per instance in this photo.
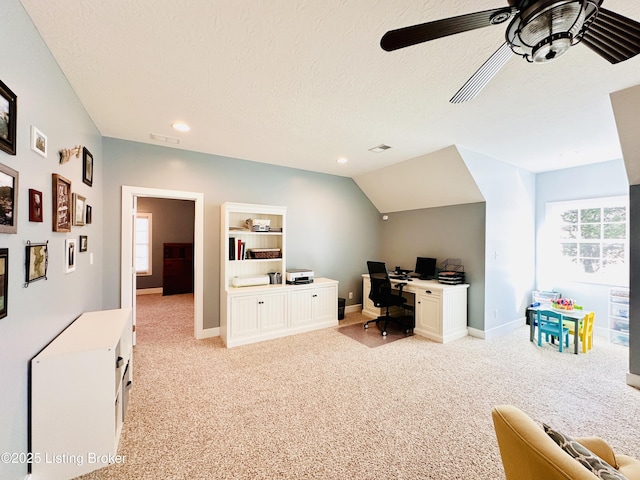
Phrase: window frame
[557,260]
[149,244]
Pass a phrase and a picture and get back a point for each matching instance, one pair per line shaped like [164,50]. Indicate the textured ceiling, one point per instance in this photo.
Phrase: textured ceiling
[301,83]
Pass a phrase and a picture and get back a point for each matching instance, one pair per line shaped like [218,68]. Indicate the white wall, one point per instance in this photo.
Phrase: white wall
[38,313]
[605,179]
[509,243]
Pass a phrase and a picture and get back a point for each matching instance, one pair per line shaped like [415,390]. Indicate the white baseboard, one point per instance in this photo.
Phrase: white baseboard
[633,380]
[499,330]
[149,291]
[210,333]
[601,332]
[353,308]
[474,332]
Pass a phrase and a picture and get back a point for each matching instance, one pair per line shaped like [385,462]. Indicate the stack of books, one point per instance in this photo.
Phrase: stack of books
[237,249]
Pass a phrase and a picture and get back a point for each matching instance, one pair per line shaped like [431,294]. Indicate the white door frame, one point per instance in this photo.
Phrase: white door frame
[127,283]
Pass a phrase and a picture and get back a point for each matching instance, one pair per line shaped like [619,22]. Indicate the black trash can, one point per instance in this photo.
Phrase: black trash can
[341,304]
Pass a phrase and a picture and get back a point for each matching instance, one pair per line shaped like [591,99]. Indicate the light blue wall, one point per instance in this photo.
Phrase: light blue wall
[332,226]
[605,179]
[38,313]
[509,239]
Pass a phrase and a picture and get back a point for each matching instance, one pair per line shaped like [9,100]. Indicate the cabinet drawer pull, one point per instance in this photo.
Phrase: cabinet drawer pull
[428,291]
[119,362]
[314,296]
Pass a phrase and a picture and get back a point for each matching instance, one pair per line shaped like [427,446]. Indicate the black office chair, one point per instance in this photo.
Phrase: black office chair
[382,297]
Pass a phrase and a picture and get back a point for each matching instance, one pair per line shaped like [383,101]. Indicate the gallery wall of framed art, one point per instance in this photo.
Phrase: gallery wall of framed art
[68,208]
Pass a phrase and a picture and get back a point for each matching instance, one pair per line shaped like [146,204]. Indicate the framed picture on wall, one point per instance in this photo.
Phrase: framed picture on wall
[38,141]
[87,167]
[8,200]
[8,115]
[79,207]
[61,203]
[83,243]
[89,215]
[35,205]
[69,255]
[37,261]
[4,280]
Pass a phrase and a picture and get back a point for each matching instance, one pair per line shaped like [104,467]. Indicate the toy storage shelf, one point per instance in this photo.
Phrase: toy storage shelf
[619,316]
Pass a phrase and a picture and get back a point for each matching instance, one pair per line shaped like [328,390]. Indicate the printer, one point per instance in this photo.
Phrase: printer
[299,276]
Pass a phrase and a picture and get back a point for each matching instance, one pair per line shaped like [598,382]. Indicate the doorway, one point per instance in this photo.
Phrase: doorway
[130,197]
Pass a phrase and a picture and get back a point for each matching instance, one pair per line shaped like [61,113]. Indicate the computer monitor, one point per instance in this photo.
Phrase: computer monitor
[425,268]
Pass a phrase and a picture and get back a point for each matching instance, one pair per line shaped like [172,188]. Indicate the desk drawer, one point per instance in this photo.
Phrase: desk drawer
[432,292]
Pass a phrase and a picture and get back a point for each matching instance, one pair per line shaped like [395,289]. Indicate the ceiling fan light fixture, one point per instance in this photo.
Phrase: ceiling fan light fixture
[551,47]
[548,29]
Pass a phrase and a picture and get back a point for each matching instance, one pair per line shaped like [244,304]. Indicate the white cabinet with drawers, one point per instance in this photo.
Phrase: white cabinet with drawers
[440,309]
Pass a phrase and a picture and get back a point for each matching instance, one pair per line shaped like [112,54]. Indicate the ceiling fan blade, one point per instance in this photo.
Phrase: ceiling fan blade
[483,75]
[407,36]
[614,37]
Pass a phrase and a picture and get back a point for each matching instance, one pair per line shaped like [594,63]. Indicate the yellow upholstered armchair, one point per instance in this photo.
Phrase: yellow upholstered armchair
[528,453]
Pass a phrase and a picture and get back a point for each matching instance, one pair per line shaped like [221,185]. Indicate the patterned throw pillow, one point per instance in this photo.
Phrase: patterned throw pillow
[590,460]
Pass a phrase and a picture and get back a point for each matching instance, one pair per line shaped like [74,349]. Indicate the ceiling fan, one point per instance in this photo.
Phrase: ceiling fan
[539,31]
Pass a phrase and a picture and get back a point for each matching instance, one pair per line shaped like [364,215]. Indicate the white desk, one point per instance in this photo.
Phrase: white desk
[440,310]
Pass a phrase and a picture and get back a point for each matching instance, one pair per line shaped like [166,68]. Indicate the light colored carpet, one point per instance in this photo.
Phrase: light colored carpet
[322,406]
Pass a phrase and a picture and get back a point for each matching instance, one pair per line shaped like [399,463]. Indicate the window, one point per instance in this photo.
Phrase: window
[590,239]
[143,244]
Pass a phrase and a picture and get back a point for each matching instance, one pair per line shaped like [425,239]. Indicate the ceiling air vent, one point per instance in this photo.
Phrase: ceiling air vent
[164,138]
[380,148]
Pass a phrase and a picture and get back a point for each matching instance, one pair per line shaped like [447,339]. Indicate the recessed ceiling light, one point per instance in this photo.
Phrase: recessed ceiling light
[380,148]
[181,126]
[342,160]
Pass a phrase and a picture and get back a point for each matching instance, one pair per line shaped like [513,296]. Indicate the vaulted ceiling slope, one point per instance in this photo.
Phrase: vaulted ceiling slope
[626,105]
[303,83]
[434,180]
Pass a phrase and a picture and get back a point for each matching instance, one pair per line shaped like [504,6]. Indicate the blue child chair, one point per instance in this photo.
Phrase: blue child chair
[550,323]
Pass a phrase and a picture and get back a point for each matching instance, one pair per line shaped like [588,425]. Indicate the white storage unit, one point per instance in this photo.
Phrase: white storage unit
[619,316]
[315,304]
[79,393]
[256,314]
[260,312]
